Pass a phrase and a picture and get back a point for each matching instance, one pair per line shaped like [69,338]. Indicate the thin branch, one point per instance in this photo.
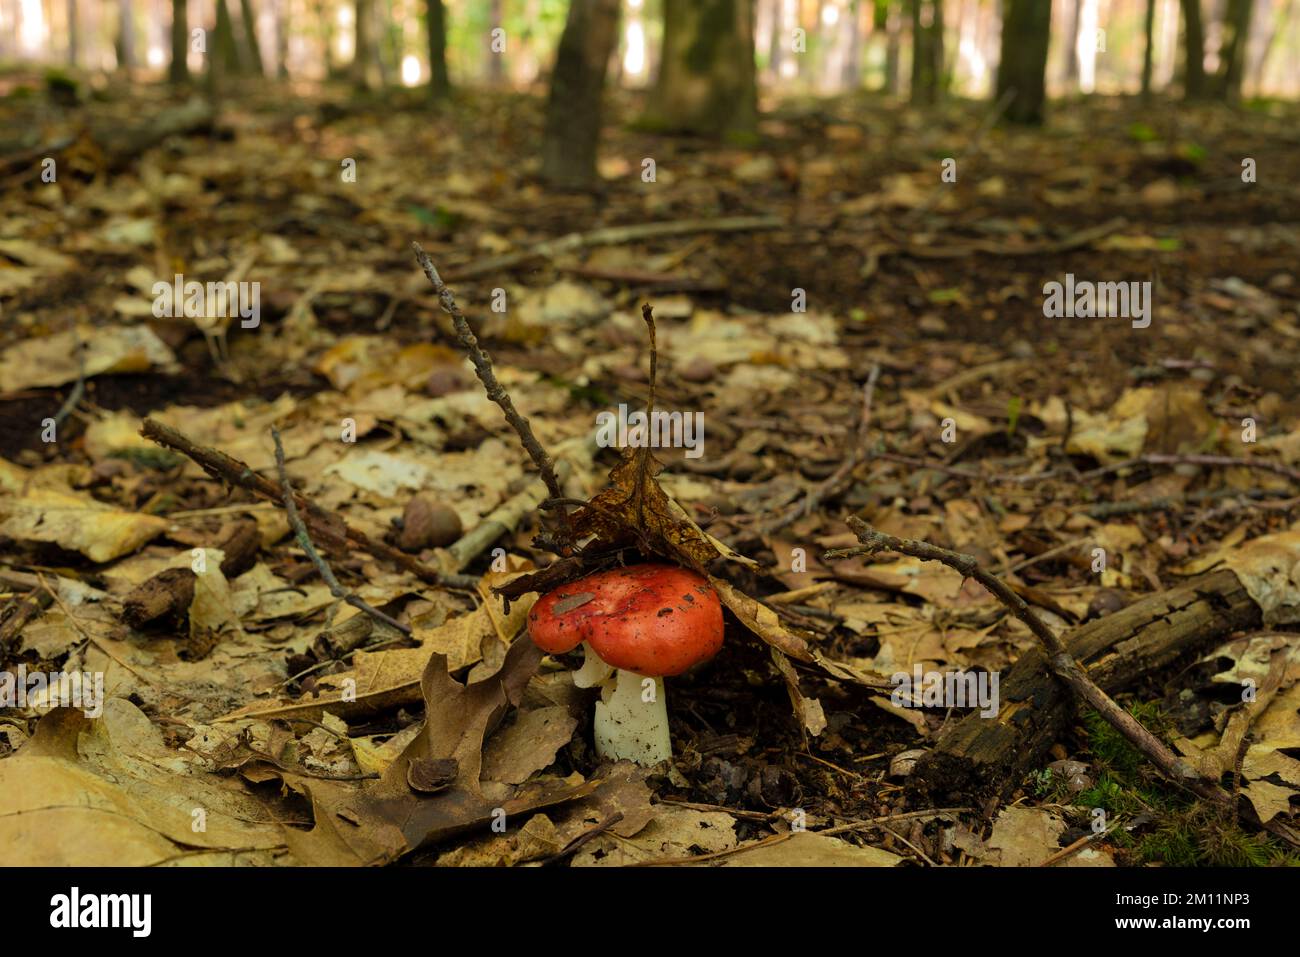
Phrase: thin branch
[483,368]
[305,542]
[1066,668]
[332,530]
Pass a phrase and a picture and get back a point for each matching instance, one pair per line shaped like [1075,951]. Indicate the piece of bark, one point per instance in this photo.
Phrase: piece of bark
[168,594]
[981,759]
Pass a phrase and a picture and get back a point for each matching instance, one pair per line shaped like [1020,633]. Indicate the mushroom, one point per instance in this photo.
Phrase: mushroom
[636,625]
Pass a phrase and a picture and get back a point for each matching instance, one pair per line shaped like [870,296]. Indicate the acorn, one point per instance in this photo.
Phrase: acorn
[427,523]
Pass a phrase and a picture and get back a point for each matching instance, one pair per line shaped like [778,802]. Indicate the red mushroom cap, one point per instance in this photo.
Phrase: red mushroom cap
[654,620]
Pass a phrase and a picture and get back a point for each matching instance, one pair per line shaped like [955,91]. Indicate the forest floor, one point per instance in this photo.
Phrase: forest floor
[990,429]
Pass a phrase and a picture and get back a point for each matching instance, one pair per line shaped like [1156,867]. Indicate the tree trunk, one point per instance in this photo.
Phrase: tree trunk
[1236,29]
[281,39]
[363,67]
[223,58]
[179,71]
[927,51]
[852,75]
[436,22]
[776,43]
[73,33]
[573,109]
[252,49]
[125,35]
[893,46]
[1026,30]
[496,61]
[1148,49]
[1072,46]
[706,75]
[1194,86]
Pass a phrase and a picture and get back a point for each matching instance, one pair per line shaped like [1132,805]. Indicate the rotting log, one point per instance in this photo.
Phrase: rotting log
[978,760]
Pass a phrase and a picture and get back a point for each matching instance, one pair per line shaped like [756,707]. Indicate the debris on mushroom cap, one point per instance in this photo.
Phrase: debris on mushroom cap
[652,619]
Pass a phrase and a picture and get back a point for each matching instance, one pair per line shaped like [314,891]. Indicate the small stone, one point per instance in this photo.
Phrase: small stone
[427,524]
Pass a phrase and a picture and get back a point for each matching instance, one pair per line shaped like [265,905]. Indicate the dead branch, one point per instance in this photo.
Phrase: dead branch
[330,530]
[1058,656]
[305,543]
[483,368]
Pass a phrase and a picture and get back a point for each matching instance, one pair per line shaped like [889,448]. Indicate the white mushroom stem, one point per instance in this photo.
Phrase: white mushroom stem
[632,719]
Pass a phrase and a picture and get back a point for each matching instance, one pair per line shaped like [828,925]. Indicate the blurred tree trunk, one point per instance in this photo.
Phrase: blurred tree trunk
[281,10]
[893,46]
[387,34]
[363,51]
[223,41]
[1149,48]
[436,22]
[223,58]
[1194,86]
[927,51]
[573,108]
[125,35]
[496,61]
[1279,28]
[252,49]
[776,46]
[73,33]
[706,76]
[1232,51]
[1072,47]
[852,76]
[179,70]
[1026,31]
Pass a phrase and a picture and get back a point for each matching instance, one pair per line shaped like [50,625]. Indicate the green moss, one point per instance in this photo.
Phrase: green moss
[1180,831]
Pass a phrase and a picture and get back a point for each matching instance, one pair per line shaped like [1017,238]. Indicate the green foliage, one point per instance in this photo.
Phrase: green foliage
[1142,133]
[741,139]
[439,218]
[1013,414]
[1192,152]
[59,81]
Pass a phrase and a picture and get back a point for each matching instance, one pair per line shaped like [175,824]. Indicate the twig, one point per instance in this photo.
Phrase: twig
[582,839]
[1062,663]
[1078,845]
[611,236]
[483,369]
[232,471]
[305,543]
